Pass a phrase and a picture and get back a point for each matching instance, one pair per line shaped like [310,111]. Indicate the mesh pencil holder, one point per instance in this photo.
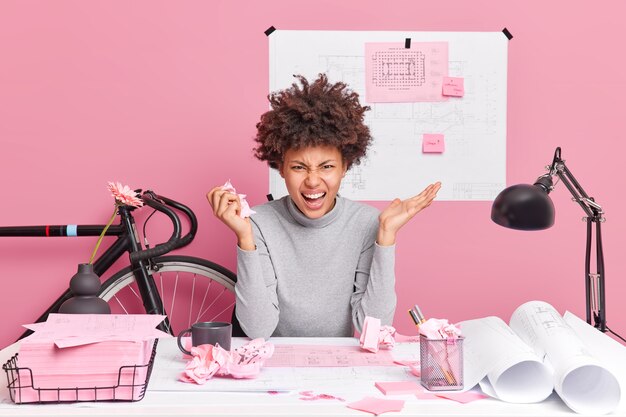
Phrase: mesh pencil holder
[441,363]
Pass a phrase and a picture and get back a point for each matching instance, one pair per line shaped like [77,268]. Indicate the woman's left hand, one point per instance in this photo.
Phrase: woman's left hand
[399,212]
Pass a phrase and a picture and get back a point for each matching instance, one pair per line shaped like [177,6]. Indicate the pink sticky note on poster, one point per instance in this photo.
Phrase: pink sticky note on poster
[453,86]
[433,143]
[398,388]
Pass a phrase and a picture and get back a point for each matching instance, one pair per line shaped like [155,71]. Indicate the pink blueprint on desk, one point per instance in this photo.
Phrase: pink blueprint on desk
[319,356]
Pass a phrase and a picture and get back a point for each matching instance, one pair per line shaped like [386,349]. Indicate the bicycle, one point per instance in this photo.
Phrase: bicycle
[160,283]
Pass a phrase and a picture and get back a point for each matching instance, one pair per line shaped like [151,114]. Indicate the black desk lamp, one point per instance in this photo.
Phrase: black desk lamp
[528,207]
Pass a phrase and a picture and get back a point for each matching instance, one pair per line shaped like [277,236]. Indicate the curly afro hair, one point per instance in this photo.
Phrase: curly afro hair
[317,114]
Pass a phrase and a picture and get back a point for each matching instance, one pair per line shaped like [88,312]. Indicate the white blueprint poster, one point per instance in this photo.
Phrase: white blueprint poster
[473,165]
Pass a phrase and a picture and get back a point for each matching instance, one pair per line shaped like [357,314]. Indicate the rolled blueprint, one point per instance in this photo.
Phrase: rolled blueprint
[537,352]
[506,367]
[582,381]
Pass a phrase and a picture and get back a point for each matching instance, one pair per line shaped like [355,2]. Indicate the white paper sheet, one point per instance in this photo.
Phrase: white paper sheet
[473,166]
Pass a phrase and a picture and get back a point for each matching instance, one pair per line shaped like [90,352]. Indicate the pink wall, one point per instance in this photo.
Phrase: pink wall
[165,95]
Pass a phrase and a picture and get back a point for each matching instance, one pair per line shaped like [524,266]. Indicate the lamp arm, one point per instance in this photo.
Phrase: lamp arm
[588,204]
[576,191]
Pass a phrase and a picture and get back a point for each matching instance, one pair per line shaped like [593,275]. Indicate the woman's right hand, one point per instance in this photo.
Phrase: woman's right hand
[227,207]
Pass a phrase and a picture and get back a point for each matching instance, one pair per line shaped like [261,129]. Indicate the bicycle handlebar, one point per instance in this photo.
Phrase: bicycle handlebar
[163,205]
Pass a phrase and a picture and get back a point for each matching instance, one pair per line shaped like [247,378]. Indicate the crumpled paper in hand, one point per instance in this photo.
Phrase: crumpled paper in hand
[246,211]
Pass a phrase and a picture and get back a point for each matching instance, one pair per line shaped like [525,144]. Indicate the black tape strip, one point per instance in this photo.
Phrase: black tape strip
[270,197]
[269,30]
[407,43]
[507,33]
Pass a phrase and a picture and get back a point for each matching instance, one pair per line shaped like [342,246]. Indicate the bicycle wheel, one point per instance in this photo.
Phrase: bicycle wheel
[192,290]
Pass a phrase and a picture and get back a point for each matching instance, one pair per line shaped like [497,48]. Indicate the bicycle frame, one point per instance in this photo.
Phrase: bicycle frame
[127,241]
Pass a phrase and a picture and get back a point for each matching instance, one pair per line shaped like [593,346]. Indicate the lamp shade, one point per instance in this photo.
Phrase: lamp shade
[523,207]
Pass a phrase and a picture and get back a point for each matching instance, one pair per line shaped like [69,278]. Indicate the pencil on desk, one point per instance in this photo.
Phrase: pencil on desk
[418,313]
[414,318]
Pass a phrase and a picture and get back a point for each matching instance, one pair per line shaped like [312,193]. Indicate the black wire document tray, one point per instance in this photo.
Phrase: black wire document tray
[131,385]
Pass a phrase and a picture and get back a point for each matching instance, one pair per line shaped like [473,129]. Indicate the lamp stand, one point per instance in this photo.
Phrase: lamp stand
[594,282]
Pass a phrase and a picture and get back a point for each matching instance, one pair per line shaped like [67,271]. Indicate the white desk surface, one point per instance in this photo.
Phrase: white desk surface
[198,401]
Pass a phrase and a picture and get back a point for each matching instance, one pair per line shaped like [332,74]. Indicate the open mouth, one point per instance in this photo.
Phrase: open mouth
[314,201]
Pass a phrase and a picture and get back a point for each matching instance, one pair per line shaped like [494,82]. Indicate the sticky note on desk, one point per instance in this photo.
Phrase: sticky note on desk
[463,397]
[453,86]
[423,395]
[377,406]
[433,143]
[399,388]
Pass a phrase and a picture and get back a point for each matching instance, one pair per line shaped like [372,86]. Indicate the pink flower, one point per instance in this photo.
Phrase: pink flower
[124,196]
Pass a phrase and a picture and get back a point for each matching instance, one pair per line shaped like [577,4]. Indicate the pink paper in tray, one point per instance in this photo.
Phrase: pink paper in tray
[82,368]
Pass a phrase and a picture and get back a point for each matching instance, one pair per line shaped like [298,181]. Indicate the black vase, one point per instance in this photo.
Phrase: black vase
[85,286]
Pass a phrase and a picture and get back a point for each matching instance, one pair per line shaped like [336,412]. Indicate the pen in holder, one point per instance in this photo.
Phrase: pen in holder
[441,363]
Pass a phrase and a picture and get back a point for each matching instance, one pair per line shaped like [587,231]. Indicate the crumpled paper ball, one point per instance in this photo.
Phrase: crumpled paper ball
[243,362]
[246,211]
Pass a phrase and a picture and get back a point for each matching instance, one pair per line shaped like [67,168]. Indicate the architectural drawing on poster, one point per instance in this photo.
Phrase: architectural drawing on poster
[473,166]
[396,74]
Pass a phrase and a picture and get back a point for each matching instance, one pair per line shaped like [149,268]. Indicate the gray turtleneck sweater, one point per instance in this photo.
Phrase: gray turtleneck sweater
[314,277]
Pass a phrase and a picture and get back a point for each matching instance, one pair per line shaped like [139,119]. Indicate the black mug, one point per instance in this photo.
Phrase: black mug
[207,332]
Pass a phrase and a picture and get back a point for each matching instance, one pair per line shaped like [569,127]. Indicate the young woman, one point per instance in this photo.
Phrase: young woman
[313,263]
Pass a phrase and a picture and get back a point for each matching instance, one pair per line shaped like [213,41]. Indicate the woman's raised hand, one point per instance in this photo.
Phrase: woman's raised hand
[399,212]
[227,207]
